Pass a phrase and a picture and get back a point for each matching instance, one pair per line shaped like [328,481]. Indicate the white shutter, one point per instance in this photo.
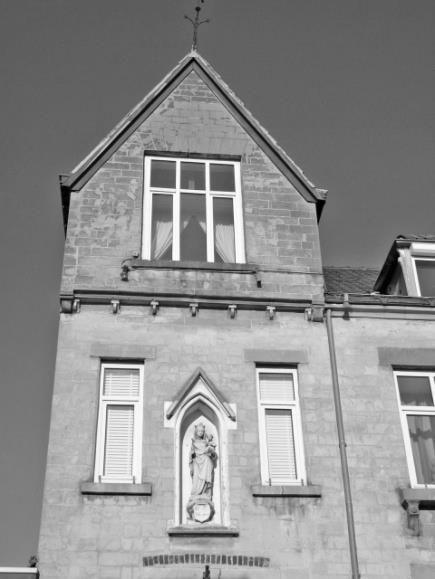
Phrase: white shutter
[280,445]
[277,387]
[121,382]
[119,441]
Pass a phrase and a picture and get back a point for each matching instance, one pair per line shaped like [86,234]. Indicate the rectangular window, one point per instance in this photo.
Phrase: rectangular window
[193,210]
[425,274]
[119,433]
[281,449]
[416,396]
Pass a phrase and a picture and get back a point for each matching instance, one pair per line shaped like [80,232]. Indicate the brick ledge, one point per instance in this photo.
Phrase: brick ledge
[202,531]
[308,491]
[91,488]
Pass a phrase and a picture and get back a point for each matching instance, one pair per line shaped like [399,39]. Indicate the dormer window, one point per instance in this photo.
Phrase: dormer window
[425,275]
[193,210]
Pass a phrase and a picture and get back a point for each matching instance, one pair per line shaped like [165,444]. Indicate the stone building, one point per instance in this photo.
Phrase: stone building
[222,406]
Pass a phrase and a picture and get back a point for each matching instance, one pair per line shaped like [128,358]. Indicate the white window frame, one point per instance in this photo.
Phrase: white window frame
[236,195]
[414,267]
[406,410]
[137,403]
[294,407]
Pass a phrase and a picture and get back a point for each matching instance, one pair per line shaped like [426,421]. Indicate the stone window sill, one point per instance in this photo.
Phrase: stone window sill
[202,531]
[91,488]
[137,263]
[309,491]
[414,500]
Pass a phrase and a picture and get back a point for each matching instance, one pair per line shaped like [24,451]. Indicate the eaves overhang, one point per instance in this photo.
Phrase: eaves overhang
[192,62]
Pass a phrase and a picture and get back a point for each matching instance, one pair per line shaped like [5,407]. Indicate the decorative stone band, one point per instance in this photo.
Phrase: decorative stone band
[205,558]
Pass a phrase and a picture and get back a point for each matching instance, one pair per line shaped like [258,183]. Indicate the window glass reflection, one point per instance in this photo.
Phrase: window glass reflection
[193,176]
[193,230]
[222,177]
[223,225]
[163,174]
[161,229]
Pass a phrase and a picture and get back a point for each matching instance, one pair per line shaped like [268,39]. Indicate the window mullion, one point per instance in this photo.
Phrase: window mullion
[209,214]
[238,218]
[176,214]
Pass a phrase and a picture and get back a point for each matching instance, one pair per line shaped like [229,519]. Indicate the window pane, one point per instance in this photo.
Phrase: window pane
[121,382]
[422,435]
[161,230]
[276,387]
[163,174]
[415,390]
[193,176]
[118,447]
[223,222]
[222,177]
[426,276]
[193,230]
[280,446]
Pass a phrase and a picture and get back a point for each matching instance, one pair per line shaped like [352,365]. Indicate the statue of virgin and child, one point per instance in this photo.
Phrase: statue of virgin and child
[202,462]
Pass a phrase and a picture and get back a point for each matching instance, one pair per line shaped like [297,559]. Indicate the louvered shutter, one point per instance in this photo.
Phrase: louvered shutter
[275,387]
[281,456]
[121,382]
[119,441]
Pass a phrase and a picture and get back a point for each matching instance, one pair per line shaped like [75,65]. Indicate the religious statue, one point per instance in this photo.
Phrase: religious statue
[202,462]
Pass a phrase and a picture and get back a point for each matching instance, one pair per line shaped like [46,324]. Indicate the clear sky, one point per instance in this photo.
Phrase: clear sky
[345,86]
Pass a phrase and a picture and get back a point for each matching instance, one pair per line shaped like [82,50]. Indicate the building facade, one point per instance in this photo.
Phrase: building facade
[219,410]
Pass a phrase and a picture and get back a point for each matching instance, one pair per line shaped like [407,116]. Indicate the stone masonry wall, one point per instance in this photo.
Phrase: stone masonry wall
[375,445]
[108,536]
[105,220]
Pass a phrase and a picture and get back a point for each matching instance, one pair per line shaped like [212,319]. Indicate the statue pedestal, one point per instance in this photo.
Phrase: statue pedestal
[200,509]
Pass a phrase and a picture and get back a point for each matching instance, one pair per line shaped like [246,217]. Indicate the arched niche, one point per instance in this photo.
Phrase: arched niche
[199,401]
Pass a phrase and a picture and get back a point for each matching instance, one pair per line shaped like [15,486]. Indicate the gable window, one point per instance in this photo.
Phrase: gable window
[193,210]
[281,449]
[416,395]
[425,275]
[119,431]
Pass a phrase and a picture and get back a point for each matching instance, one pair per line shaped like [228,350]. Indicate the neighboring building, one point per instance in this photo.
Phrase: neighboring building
[196,414]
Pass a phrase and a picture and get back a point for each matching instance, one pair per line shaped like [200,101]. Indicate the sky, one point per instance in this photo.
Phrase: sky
[346,87]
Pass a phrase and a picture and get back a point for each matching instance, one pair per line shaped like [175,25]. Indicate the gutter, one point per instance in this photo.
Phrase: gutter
[342,447]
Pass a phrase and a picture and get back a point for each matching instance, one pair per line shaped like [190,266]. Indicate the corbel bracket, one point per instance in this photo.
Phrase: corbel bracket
[116,305]
[194,307]
[415,500]
[271,311]
[315,313]
[154,305]
[232,310]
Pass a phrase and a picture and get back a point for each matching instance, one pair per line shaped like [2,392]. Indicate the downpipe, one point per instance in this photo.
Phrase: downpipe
[342,447]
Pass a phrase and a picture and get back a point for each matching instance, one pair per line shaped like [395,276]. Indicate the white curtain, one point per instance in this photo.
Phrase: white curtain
[162,238]
[224,242]
[422,434]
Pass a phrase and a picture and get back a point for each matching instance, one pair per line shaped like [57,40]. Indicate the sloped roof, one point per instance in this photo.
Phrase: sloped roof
[193,61]
[352,280]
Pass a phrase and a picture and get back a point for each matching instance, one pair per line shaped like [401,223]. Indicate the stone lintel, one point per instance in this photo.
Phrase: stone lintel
[308,491]
[265,356]
[202,531]
[117,351]
[407,357]
[91,488]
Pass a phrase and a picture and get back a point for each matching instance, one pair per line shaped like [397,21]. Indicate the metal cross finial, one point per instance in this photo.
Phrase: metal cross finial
[196,23]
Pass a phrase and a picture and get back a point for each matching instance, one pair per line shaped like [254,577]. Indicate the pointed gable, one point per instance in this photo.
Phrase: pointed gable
[192,69]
